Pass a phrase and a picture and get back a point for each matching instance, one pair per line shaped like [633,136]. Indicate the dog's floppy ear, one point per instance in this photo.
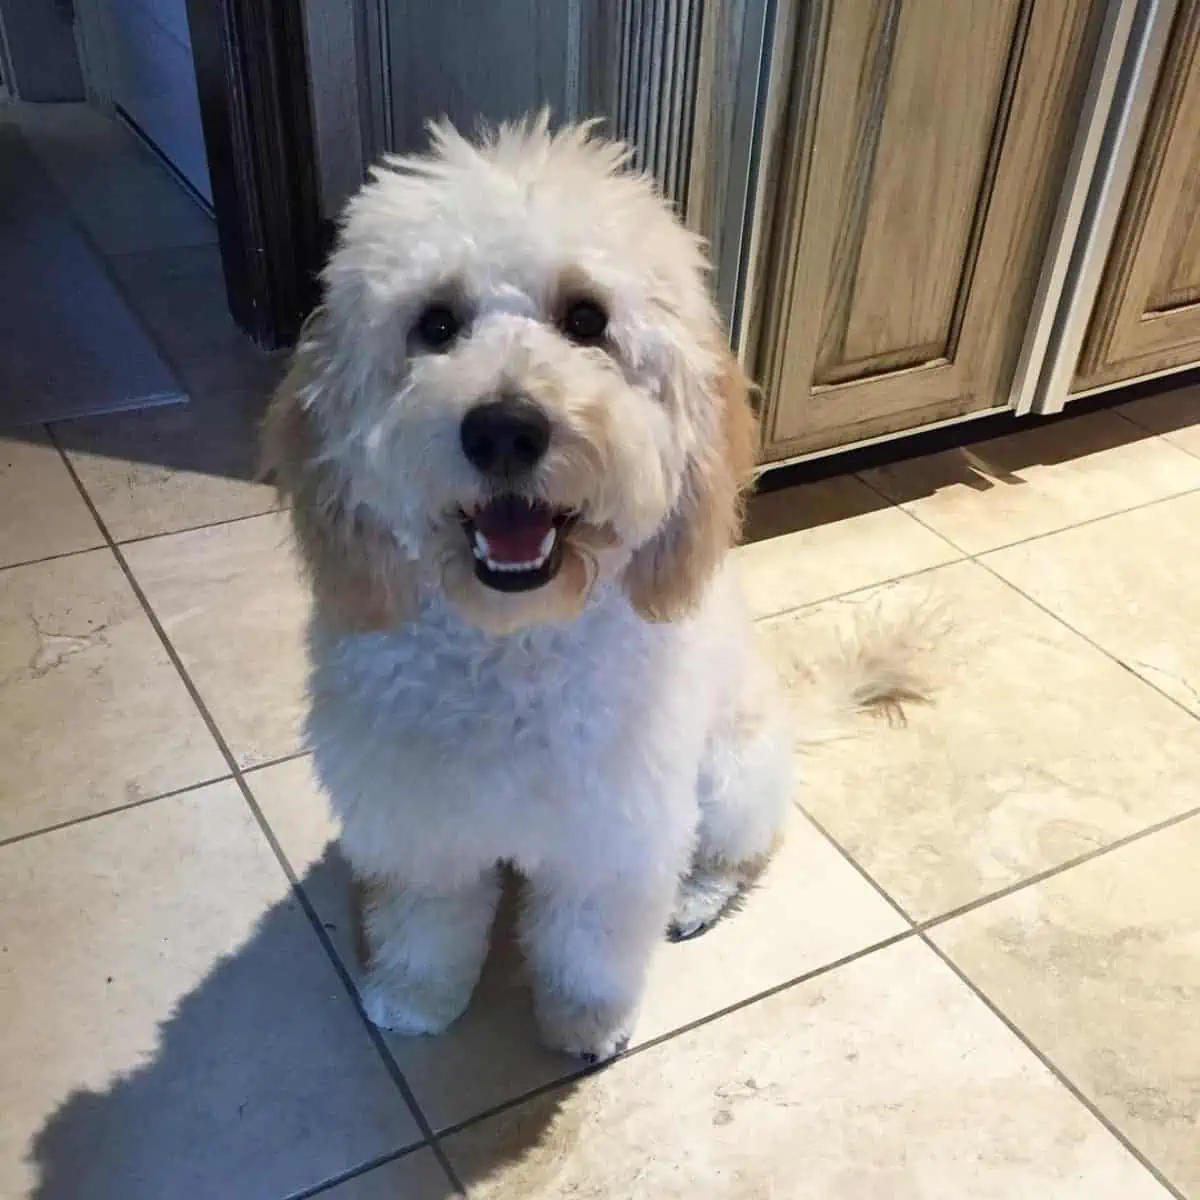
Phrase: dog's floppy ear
[667,575]
[359,576]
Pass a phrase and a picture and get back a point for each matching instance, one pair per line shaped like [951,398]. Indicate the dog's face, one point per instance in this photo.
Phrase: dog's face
[516,385]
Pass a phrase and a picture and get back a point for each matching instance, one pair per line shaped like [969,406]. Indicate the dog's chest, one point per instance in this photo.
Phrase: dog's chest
[551,695]
[519,748]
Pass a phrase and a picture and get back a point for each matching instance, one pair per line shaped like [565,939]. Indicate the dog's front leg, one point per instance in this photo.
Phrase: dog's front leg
[589,949]
[424,950]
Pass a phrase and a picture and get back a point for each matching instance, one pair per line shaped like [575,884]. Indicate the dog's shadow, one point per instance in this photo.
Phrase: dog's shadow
[243,1098]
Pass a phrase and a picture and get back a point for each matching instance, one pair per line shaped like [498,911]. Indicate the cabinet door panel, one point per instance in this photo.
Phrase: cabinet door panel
[925,161]
[1147,314]
[909,204]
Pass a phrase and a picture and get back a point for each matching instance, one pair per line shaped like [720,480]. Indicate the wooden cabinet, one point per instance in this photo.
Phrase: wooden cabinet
[917,210]
[923,153]
[1147,314]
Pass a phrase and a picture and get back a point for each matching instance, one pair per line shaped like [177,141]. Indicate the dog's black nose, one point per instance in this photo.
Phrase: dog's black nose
[508,436]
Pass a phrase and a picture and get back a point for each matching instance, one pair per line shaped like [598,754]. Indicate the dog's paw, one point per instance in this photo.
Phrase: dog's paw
[591,1034]
[703,899]
[409,1010]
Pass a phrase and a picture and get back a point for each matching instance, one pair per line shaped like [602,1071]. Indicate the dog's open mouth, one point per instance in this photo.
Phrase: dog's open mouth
[517,543]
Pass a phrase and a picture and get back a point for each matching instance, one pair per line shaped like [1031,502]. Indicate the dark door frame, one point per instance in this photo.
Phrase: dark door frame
[252,77]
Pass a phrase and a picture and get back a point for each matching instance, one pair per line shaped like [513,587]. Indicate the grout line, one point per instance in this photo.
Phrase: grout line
[906,577]
[381,1160]
[1050,1066]
[1039,537]
[1166,437]
[147,146]
[584,1072]
[875,884]
[166,533]
[139,539]
[49,558]
[962,555]
[141,802]
[373,1033]
[1085,638]
[921,931]
[975,555]
[980,559]
[1050,872]
[277,762]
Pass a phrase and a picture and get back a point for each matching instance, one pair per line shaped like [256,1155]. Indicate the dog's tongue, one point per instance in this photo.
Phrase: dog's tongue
[514,529]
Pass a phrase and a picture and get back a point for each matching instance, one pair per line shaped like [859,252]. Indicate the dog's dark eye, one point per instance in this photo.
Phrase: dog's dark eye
[437,327]
[585,322]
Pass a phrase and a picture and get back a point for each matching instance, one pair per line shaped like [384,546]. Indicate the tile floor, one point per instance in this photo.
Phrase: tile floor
[974,970]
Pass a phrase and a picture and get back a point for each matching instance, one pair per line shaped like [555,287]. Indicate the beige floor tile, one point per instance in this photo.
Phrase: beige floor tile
[416,1176]
[1100,968]
[231,600]
[1174,415]
[1037,748]
[119,192]
[169,1025]
[180,295]
[812,909]
[92,713]
[181,289]
[1044,478]
[818,540]
[166,469]
[491,1053]
[41,510]
[886,1078]
[1130,583]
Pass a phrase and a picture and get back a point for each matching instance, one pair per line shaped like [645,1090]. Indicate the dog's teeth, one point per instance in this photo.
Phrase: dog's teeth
[482,550]
[532,565]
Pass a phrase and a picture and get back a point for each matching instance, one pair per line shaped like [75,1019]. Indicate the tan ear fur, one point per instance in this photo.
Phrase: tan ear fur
[359,576]
[667,576]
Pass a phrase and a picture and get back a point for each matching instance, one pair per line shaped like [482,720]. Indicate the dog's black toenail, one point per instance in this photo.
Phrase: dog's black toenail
[592,1060]
[680,933]
[684,933]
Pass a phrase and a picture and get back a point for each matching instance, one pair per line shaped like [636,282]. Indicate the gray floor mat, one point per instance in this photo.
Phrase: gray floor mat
[69,344]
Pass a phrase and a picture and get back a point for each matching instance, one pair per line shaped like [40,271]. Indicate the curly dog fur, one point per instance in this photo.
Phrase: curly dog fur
[596,716]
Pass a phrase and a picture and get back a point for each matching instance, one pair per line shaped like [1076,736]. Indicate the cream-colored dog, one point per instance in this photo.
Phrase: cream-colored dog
[514,442]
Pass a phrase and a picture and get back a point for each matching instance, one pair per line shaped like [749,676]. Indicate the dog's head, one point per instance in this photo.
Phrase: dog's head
[517,384]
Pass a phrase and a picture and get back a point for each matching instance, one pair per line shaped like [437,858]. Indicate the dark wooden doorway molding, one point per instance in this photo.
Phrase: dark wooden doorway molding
[252,76]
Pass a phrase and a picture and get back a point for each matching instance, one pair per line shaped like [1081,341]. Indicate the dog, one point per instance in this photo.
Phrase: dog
[515,446]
